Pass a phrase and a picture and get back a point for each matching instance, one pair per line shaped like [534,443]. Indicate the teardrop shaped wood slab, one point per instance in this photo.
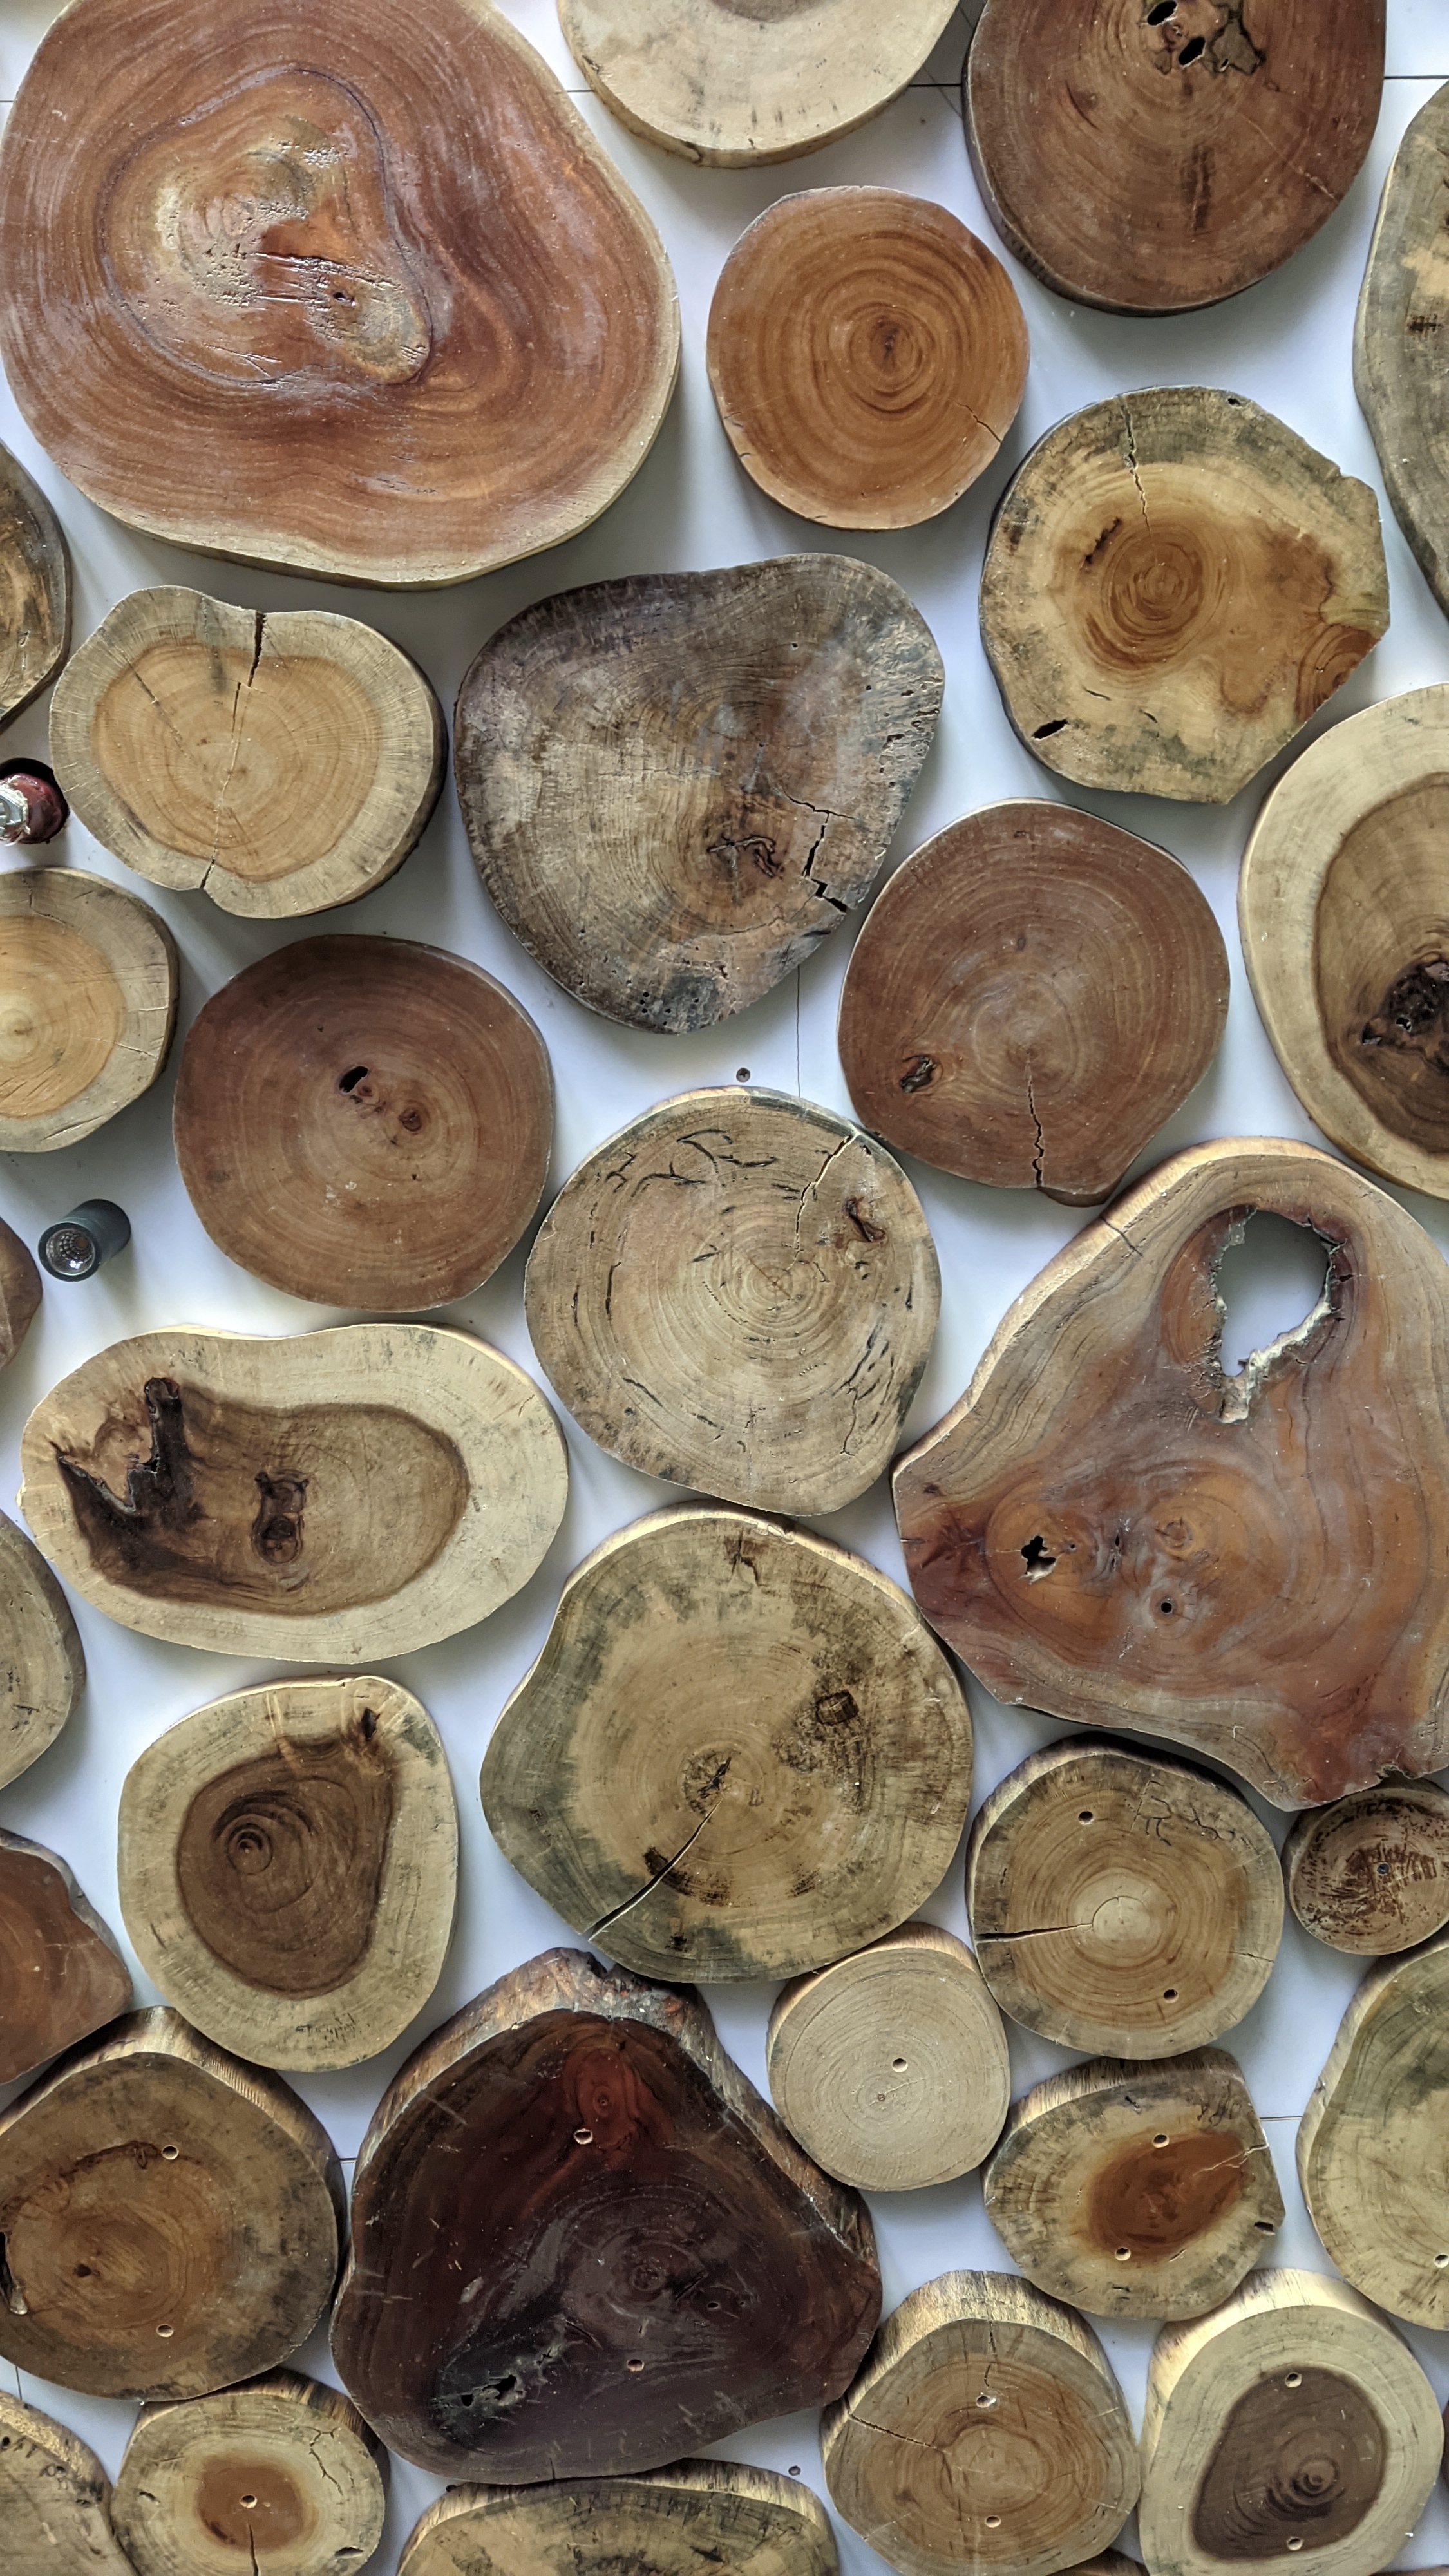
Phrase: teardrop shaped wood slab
[1372,2157]
[55,2500]
[1175,582]
[740,1753]
[572,2122]
[278,763]
[19,1292]
[42,1667]
[1110,1528]
[1398,350]
[283,2470]
[332,1498]
[656,807]
[1371,1873]
[434,332]
[674,2522]
[288,1868]
[34,595]
[88,981]
[61,1971]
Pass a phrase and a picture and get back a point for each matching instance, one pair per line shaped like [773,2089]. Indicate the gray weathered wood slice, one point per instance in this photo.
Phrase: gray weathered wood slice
[1373,2144]
[55,2500]
[1398,341]
[673,2522]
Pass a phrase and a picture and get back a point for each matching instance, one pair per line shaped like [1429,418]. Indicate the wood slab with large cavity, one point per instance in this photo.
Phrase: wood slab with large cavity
[985,2428]
[1371,1873]
[170,2217]
[282,2476]
[88,979]
[393,1099]
[55,2500]
[1373,2144]
[867,354]
[1031,997]
[335,1497]
[42,1667]
[61,1971]
[573,2122]
[673,2522]
[738,1292]
[1174,583]
[676,786]
[34,591]
[1109,1527]
[277,763]
[288,1868]
[1398,345]
[19,1292]
[1291,2419]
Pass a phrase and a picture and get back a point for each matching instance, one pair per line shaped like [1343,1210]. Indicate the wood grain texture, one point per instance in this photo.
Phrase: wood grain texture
[1373,2146]
[282,2474]
[1175,582]
[394,1099]
[740,1753]
[88,981]
[749,1245]
[34,592]
[676,786]
[330,1498]
[42,1666]
[61,1971]
[277,763]
[400,317]
[1371,1873]
[1398,351]
[54,2500]
[572,2122]
[1031,997]
[674,2522]
[19,1292]
[1109,1527]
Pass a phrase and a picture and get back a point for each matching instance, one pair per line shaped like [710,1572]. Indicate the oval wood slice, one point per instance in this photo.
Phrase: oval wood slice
[1136,2191]
[1292,2418]
[985,2427]
[434,332]
[655,805]
[42,1667]
[288,1868]
[34,594]
[170,2217]
[1110,1528]
[1371,1872]
[1373,2144]
[278,763]
[331,1498]
[1031,997]
[394,1099]
[572,2122]
[744,1250]
[87,1005]
[55,2500]
[282,2475]
[19,1292]
[697,2514]
[1175,582]
[1398,351]
[61,1971]
[867,353]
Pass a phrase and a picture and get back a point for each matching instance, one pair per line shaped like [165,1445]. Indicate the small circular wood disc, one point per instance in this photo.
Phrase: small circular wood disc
[393,1099]
[282,2476]
[1032,995]
[54,2500]
[43,1672]
[868,356]
[87,1005]
[34,589]
[61,1973]
[669,2522]
[1371,1872]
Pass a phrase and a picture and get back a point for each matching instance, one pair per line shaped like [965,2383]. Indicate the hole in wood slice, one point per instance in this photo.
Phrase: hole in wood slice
[54,2499]
[61,1971]
[1032,995]
[670,2523]
[868,356]
[1175,582]
[284,2469]
[1371,1872]
[394,1099]
[1398,349]
[1371,2142]
[401,319]
[1270,1280]
[34,592]
[87,1005]
[43,1672]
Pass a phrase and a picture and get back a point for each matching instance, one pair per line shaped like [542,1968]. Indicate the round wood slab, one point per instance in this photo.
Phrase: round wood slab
[55,2500]
[87,1005]
[43,1670]
[1371,1873]
[1371,2144]
[61,1971]
[675,2522]
[282,2475]
[19,1292]
[1398,362]
[34,590]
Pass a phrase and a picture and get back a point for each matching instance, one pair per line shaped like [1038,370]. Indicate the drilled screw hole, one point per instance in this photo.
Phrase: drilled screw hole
[986,2398]
[1382,1870]
[742,1075]
[635,2366]
[583,2137]
[993,2522]
[1294,2379]
[248,2503]
[1295,2542]
[170,2154]
[899,2065]
[350,1081]
[166,2333]
[1124,2254]
[1264,2226]
[1439,2261]
[1161,2138]
[1085,1817]
[1169,1994]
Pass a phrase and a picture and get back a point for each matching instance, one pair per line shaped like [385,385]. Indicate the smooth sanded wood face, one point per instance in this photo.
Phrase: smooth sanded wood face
[42,1667]
[676,786]
[87,1005]
[1175,582]
[34,589]
[1398,368]
[1372,2155]
[19,1292]
[54,2500]
[581,2241]
[1371,1872]
[1032,995]
[394,1099]
[699,2513]
[61,1974]
[282,2477]
[868,356]
[400,319]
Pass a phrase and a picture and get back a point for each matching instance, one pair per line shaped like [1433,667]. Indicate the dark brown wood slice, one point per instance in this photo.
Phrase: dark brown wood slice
[61,1972]
[281,2474]
[34,589]
[674,2522]
[1371,1872]
[42,1666]
[1398,345]
[55,2500]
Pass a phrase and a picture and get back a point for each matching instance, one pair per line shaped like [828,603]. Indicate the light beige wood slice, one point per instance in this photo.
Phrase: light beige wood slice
[42,1667]
[54,2500]
[891,2067]
[279,763]
[673,2522]
[1371,1873]
[88,981]
[1373,2144]
[1291,2420]
[738,1292]
[985,2429]
[332,1498]
[61,1971]
[1398,343]
[19,1292]
[288,1868]
[282,2476]
[34,589]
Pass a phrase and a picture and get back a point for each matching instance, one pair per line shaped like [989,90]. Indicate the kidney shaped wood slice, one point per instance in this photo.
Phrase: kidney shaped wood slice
[282,2475]
[278,764]
[347,296]
[1371,1872]
[676,786]
[335,1497]
[61,1972]
[42,1667]
[674,2522]
[740,1753]
[87,1005]
[1109,1527]
[55,2500]
[1398,350]
[1372,2153]
[574,2122]
[1031,997]
[393,1099]
[34,593]
[1175,582]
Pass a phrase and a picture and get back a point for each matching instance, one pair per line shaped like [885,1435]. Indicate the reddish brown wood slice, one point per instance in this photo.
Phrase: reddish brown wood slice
[61,1972]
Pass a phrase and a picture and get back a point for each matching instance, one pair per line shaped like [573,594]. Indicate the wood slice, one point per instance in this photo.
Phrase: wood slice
[336,1497]
[34,593]
[1175,582]
[569,2122]
[985,2428]
[1136,2191]
[1371,1872]
[54,2500]
[284,2470]
[61,1971]
[1153,160]
[394,1099]
[170,2218]
[1293,2418]
[87,1005]
[655,804]
[42,1667]
[749,1251]
[1109,1527]
[1372,2155]
[19,1292]
[278,763]
[699,2514]
[1398,354]
[1032,996]
[867,353]
[288,1868]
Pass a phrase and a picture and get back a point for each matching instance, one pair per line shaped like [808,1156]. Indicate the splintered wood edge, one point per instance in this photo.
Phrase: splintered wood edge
[472,2503]
[1400,294]
[141,954]
[40,1625]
